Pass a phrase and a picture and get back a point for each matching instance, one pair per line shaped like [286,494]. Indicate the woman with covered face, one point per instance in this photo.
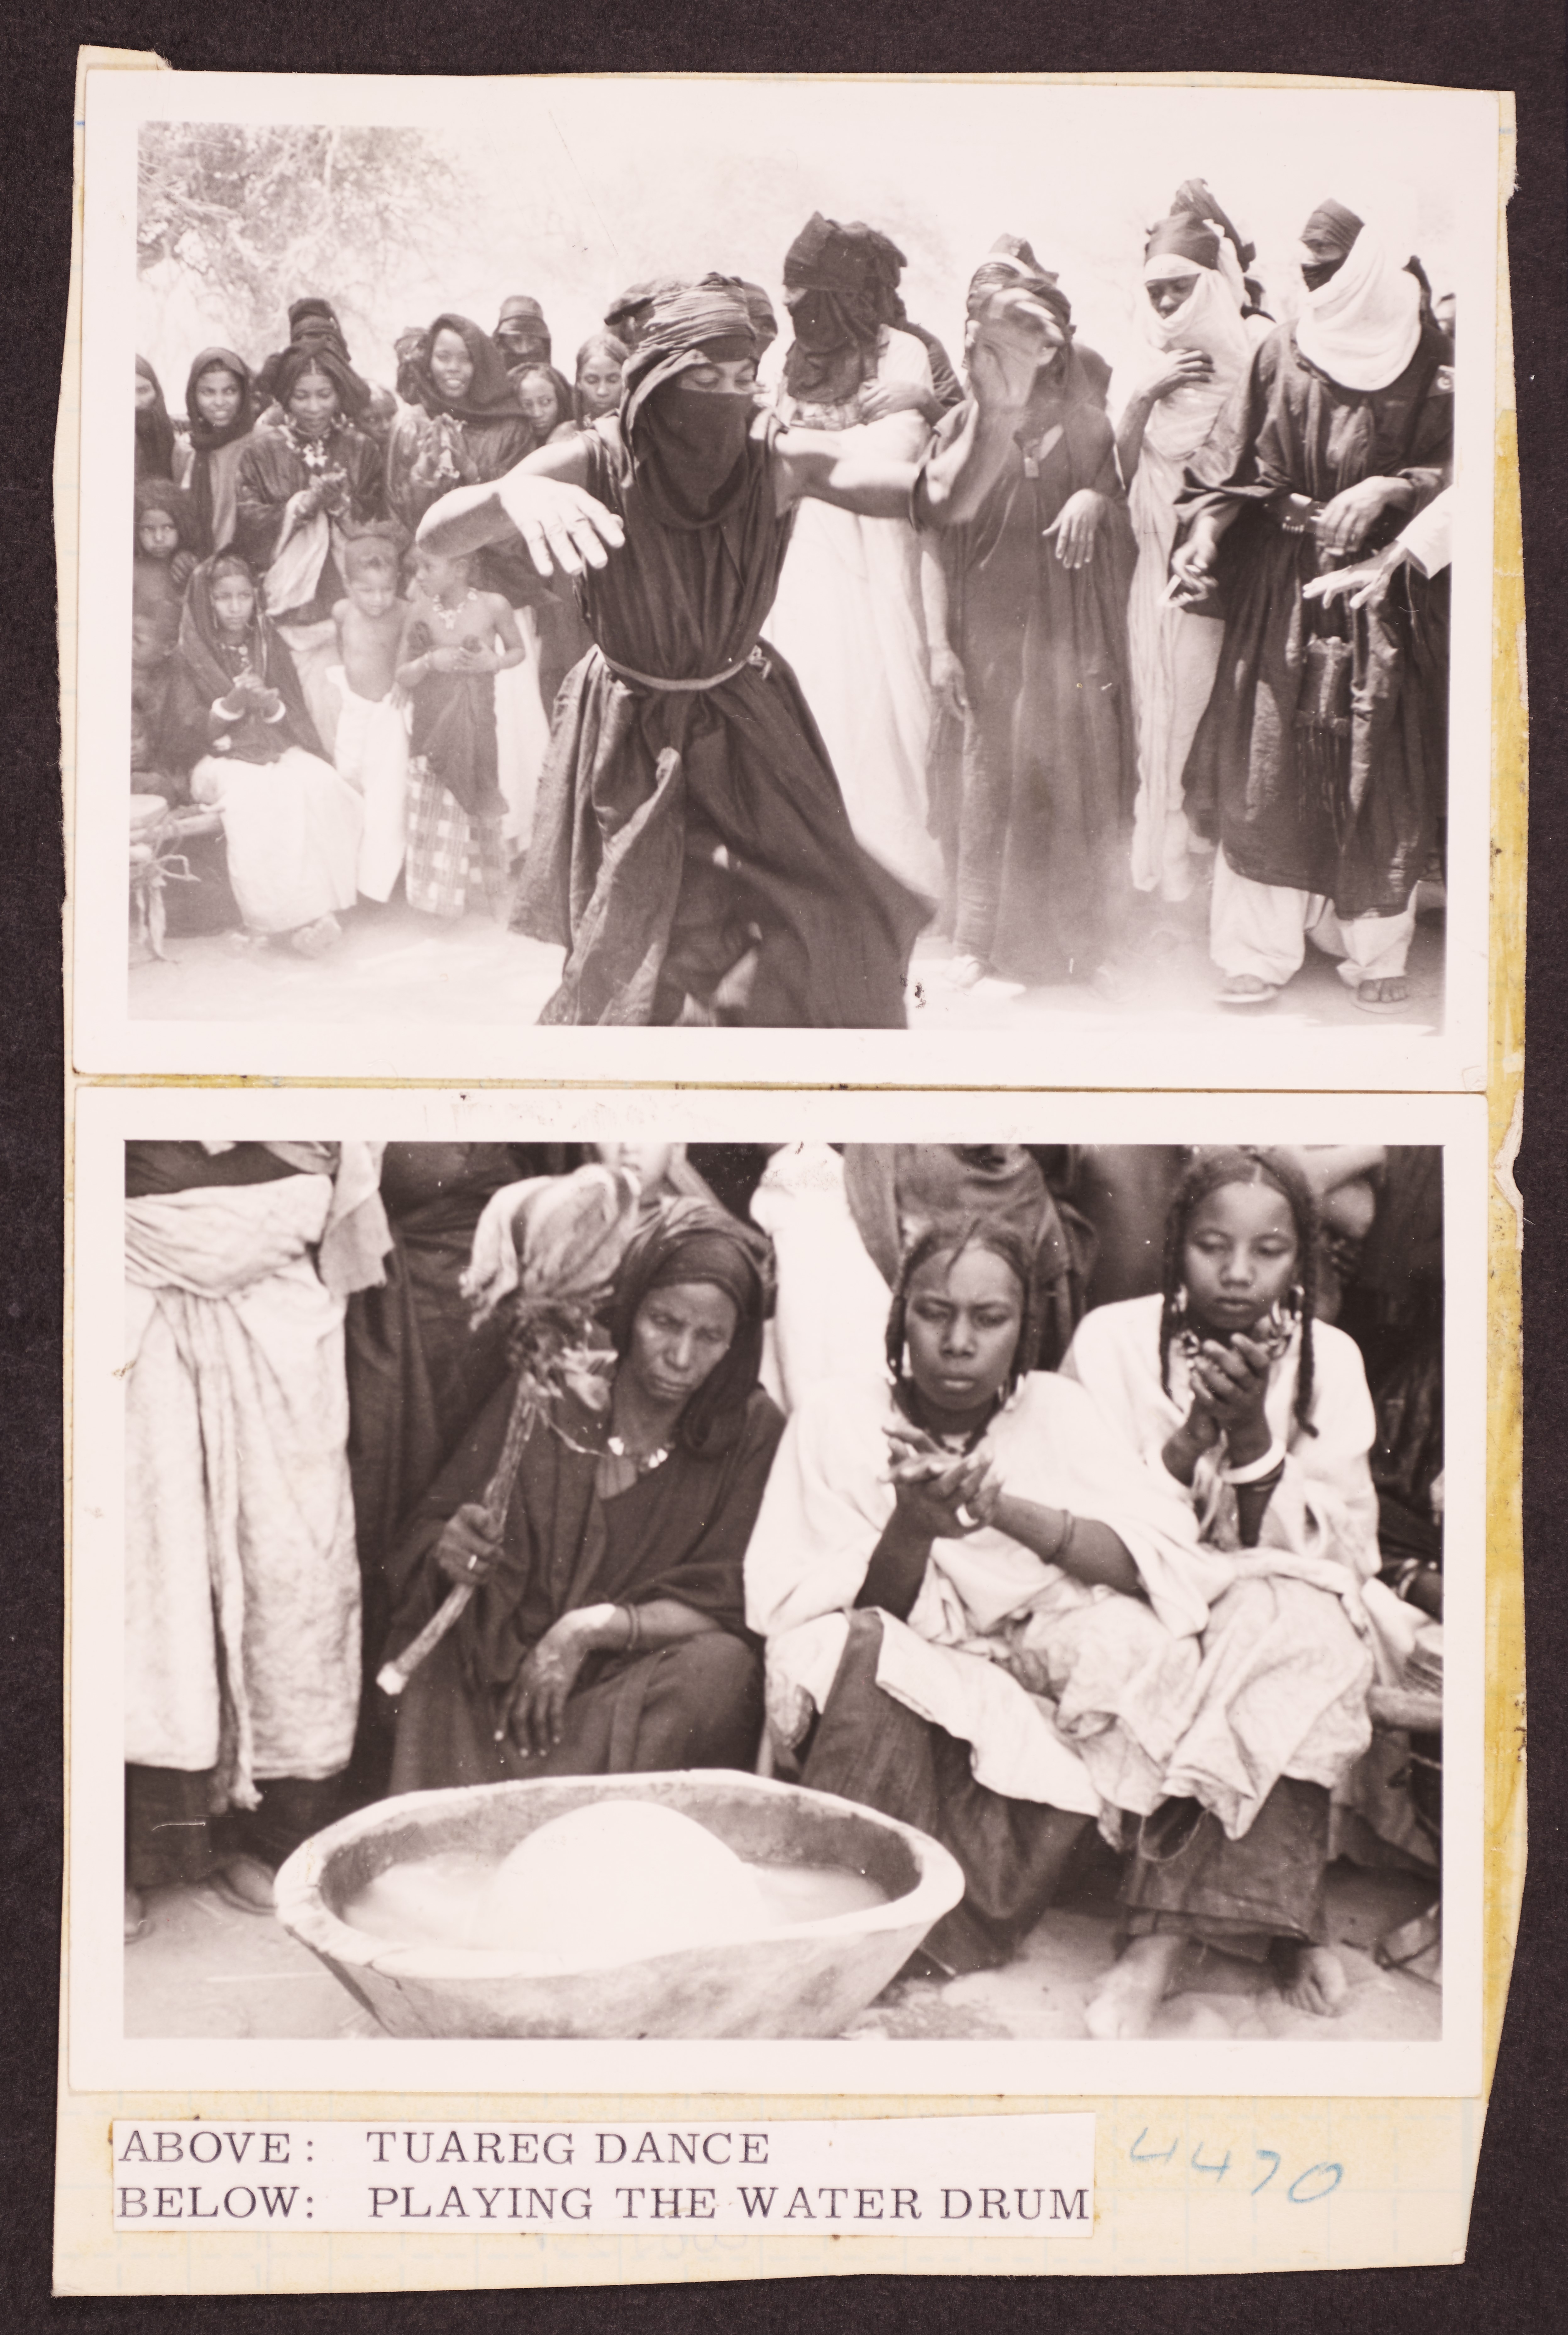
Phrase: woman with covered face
[979,1617]
[1191,313]
[1318,765]
[1026,608]
[849,611]
[306,478]
[607,1635]
[692,852]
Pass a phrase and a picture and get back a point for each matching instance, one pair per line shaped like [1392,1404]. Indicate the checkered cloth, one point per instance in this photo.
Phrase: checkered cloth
[452,860]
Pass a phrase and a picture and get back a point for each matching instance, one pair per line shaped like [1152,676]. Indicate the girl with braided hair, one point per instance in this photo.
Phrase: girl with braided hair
[1228,1389]
[979,1615]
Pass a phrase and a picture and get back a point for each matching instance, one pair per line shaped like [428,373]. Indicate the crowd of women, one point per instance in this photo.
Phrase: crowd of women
[1021,1492]
[732,690]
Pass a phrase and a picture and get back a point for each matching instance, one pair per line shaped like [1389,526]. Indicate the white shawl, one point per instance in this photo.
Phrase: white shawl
[1362,325]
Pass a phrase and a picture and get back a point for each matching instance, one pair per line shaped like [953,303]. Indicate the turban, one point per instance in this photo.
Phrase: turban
[685,319]
[829,256]
[1333,225]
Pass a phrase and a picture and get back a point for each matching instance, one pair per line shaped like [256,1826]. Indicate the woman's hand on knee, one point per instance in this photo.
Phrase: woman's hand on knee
[538,1700]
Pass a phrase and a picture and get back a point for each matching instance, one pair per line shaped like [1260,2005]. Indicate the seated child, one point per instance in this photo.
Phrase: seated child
[371,746]
[238,717]
[1228,1389]
[457,638]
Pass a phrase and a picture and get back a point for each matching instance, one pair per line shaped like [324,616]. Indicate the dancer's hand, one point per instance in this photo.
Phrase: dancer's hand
[538,1700]
[562,526]
[1367,582]
[465,1552]
[1074,527]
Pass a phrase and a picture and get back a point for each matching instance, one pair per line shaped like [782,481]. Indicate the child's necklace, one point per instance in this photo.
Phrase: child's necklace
[447,617]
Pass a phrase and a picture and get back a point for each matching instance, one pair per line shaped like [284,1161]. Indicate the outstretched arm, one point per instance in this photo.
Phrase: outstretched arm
[1009,342]
[544,499]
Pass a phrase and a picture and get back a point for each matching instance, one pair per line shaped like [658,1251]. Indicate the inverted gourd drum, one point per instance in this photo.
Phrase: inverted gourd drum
[581,1971]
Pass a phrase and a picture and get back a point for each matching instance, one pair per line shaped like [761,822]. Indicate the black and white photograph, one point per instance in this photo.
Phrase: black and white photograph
[996,564]
[977,1604]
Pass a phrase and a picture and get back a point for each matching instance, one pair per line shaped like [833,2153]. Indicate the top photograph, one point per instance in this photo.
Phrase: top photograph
[963,582]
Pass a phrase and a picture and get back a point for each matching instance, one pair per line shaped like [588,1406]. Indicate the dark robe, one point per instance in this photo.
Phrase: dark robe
[1320,762]
[869,1748]
[1050,767]
[680,1532]
[270,471]
[670,824]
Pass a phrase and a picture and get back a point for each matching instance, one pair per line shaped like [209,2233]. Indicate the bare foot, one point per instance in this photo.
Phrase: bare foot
[1246,989]
[1125,2007]
[1309,1978]
[314,940]
[1383,996]
[245,1883]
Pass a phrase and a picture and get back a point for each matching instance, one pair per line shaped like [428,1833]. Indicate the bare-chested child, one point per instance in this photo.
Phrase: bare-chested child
[371,745]
[457,638]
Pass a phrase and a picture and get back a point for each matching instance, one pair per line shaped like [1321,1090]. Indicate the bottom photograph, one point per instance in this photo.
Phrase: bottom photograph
[921,1591]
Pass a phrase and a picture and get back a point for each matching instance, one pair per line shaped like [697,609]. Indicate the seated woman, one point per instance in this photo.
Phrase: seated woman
[606,1635]
[987,1638]
[237,721]
[1232,1392]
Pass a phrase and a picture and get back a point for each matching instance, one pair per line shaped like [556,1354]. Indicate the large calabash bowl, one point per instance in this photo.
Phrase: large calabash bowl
[805,1979]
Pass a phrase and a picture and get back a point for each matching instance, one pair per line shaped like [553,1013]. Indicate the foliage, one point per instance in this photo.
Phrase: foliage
[258,213]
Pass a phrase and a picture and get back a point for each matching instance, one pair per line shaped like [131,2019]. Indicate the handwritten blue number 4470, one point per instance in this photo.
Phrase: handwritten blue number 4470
[1299,2193]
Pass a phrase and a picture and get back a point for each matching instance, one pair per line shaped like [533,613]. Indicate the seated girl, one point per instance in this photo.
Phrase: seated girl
[1259,1415]
[607,1634]
[236,718]
[979,1617]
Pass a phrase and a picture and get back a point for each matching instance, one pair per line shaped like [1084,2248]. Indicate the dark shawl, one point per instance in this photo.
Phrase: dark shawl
[521,307]
[205,669]
[154,431]
[206,441]
[1049,745]
[272,468]
[162,494]
[854,271]
[679,1531]
[1321,760]
[452,724]
[688,1240]
[489,393]
[632,773]
[490,429]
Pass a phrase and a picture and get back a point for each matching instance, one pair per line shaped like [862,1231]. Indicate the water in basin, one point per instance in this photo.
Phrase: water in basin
[610,1883]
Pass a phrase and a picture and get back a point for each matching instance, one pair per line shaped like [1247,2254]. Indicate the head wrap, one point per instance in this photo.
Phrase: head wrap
[629,312]
[522,311]
[845,277]
[1333,225]
[490,395]
[688,450]
[692,1240]
[202,646]
[1209,318]
[162,494]
[205,437]
[154,430]
[310,314]
[1362,327]
[1195,197]
[352,393]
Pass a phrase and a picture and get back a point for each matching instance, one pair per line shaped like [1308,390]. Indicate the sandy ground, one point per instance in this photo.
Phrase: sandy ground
[396,963]
[205,1969]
